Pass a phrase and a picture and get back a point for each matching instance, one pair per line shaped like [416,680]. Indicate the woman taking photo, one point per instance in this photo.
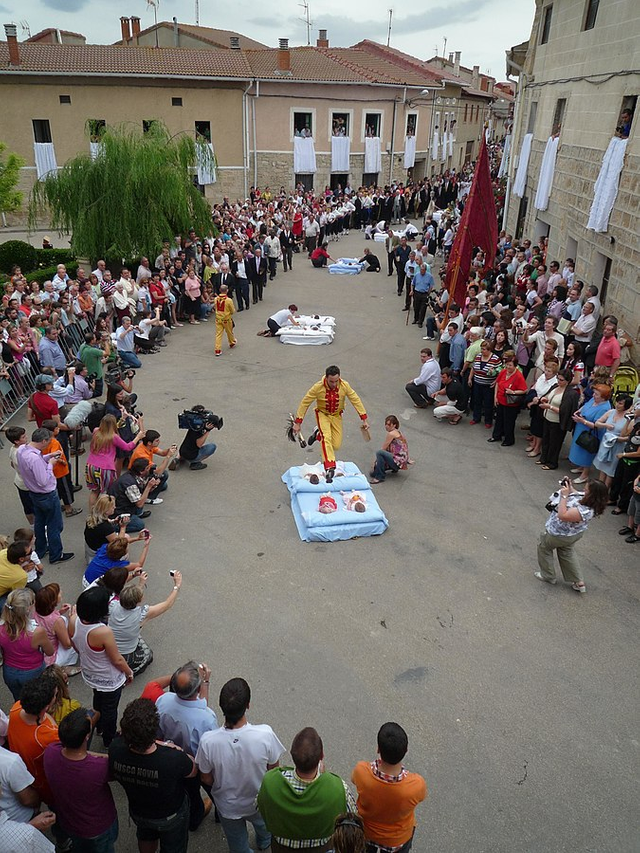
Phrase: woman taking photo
[101,527]
[103,667]
[100,471]
[23,643]
[565,526]
[509,390]
[543,385]
[53,617]
[613,423]
[482,379]
[558,407]
[585,418]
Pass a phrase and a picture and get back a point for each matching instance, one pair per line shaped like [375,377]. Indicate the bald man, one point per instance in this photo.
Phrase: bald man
[184,717]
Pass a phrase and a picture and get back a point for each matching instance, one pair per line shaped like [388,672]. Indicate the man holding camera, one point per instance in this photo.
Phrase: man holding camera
[194,449]
[147,449]
[132,490]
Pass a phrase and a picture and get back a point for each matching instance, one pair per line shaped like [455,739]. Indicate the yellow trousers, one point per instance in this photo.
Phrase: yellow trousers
[330,437]
[221,326]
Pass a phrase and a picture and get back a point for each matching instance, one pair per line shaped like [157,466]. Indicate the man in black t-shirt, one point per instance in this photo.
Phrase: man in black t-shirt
[450,400]
[153,775]
[194,448]
[131,491]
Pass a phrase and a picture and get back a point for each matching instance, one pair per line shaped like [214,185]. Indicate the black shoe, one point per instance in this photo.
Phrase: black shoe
[507,444]
[492,439]
[197,466]
[145,514]
[313,437]
[69,555]
[413,322]
[77,488]
[329,475]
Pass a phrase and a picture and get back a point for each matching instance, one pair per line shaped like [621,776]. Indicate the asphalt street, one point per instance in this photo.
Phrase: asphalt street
[520,699]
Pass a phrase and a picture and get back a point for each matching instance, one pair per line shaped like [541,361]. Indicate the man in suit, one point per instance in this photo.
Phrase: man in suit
[224,277]
[257,267]
[287,244]
[240,270]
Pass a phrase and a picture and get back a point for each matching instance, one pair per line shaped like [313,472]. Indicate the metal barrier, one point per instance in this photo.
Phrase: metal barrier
[17,380]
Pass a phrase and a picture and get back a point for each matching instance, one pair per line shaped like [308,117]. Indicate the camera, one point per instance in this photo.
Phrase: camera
[197,418]
[91,377]
[115,374]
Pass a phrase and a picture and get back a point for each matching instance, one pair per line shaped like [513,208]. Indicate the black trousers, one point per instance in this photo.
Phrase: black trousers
[401,278]
[419,306]
[418,393]
[552,439]
[242,293]
[273,267]
[287,258]
[310,244]
[391,262]
[622,485]
[483,402]
[504,427]
[257,285]
[107,704]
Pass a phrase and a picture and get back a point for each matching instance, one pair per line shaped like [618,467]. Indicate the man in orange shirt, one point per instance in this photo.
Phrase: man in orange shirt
[388,794]
[147,449]
[32,729]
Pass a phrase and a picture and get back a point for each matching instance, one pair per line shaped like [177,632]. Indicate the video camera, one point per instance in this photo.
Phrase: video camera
[115,374]
[197,419]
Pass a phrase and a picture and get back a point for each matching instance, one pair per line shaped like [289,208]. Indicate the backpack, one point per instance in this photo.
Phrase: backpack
[625,381]
[98,411]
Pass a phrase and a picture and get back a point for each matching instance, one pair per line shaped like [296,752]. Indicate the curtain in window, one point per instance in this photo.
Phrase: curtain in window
[372,156]
[340,150]
[45,158]
[523,164]
[206,164]
[547,169]
[605,190]
[304,155]
[94,149]
[506,151]
[409,152]
[435,142]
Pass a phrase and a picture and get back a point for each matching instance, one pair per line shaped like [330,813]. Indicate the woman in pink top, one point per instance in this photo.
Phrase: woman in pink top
[100,470]
[54,621]
[192,292]
[23,643]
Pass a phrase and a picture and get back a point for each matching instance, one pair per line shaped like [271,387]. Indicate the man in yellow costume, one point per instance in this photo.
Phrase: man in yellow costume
[329,395]
[225,310]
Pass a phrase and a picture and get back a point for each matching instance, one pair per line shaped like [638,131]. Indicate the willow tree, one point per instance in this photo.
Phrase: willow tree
[10,165]
[132,192]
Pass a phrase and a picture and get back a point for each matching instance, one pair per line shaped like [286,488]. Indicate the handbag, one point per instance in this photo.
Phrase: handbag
[588,440]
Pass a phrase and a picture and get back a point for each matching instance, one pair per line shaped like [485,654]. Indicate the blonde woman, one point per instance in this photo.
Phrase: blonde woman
[100,471]
[101,527]
[22,642]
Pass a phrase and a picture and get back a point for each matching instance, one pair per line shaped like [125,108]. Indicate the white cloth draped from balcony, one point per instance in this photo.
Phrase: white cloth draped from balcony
[94,149]
[547,170]
[451,141]
[435,142]
[372,157]
[605,190]
[409,152]
[443,153]
[206,164]
[520,181]
[304,155]
[340,150]
[506,151]
[45,158]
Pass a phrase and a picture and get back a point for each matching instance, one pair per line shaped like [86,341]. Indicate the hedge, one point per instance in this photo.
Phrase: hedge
[18,253]
[48,273]
[53,257]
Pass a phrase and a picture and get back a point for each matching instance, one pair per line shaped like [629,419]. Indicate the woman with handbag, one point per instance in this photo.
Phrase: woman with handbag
[613,422]
[586,436]
[510,389]
[569,516]
[558,408]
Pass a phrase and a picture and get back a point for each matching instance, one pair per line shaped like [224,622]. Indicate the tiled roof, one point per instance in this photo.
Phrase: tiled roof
[376,68]
[307,63]
[85,59]
[50,30]
[209,35]
[400,59]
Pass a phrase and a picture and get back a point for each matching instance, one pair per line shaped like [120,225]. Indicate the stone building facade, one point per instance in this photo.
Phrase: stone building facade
[582,68]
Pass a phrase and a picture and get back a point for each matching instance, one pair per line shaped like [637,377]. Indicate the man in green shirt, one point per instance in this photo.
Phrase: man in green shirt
[93,357]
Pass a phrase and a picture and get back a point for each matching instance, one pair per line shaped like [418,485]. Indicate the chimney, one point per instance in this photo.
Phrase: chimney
[322,41]
[135,26]
[11,33]
[176,34]
[451,58]
[284,57]
[456,63]
[475,78]
[235,42]
[125,30]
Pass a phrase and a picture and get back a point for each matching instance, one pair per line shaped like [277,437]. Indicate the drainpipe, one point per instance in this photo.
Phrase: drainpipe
[245,139]
[393,138]
[176,34]
[520,86]
[255,138]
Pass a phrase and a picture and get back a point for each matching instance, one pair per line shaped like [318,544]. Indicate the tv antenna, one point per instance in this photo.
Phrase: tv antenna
[197,13]
[26,30]
[444,49]
[389,30]
[306,20]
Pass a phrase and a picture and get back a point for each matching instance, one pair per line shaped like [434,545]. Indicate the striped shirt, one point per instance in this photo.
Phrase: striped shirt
[485,372]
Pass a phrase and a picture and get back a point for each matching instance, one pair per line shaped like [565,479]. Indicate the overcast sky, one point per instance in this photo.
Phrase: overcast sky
[481,29]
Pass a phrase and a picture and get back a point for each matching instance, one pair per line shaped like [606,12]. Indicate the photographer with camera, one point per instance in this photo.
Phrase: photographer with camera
[81,383]
[125,343]
[147,449]
[198,422]
[94,355]
[131,491]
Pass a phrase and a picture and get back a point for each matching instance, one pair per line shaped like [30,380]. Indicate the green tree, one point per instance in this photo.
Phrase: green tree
[10,165]
[136,192]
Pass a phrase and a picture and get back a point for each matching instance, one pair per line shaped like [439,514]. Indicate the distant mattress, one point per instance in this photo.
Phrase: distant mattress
[312,331]
[346,266]
[315,526]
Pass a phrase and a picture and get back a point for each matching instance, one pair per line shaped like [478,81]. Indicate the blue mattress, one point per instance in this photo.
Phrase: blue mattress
[314,526]
[346,266]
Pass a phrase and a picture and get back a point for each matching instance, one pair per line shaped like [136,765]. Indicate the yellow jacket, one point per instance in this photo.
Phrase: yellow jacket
[328,401]
[224,308]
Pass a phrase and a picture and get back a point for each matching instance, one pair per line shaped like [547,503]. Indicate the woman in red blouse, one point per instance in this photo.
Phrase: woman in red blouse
[509,390]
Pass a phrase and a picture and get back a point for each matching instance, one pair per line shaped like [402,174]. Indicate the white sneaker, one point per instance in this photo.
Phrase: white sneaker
[154,501]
